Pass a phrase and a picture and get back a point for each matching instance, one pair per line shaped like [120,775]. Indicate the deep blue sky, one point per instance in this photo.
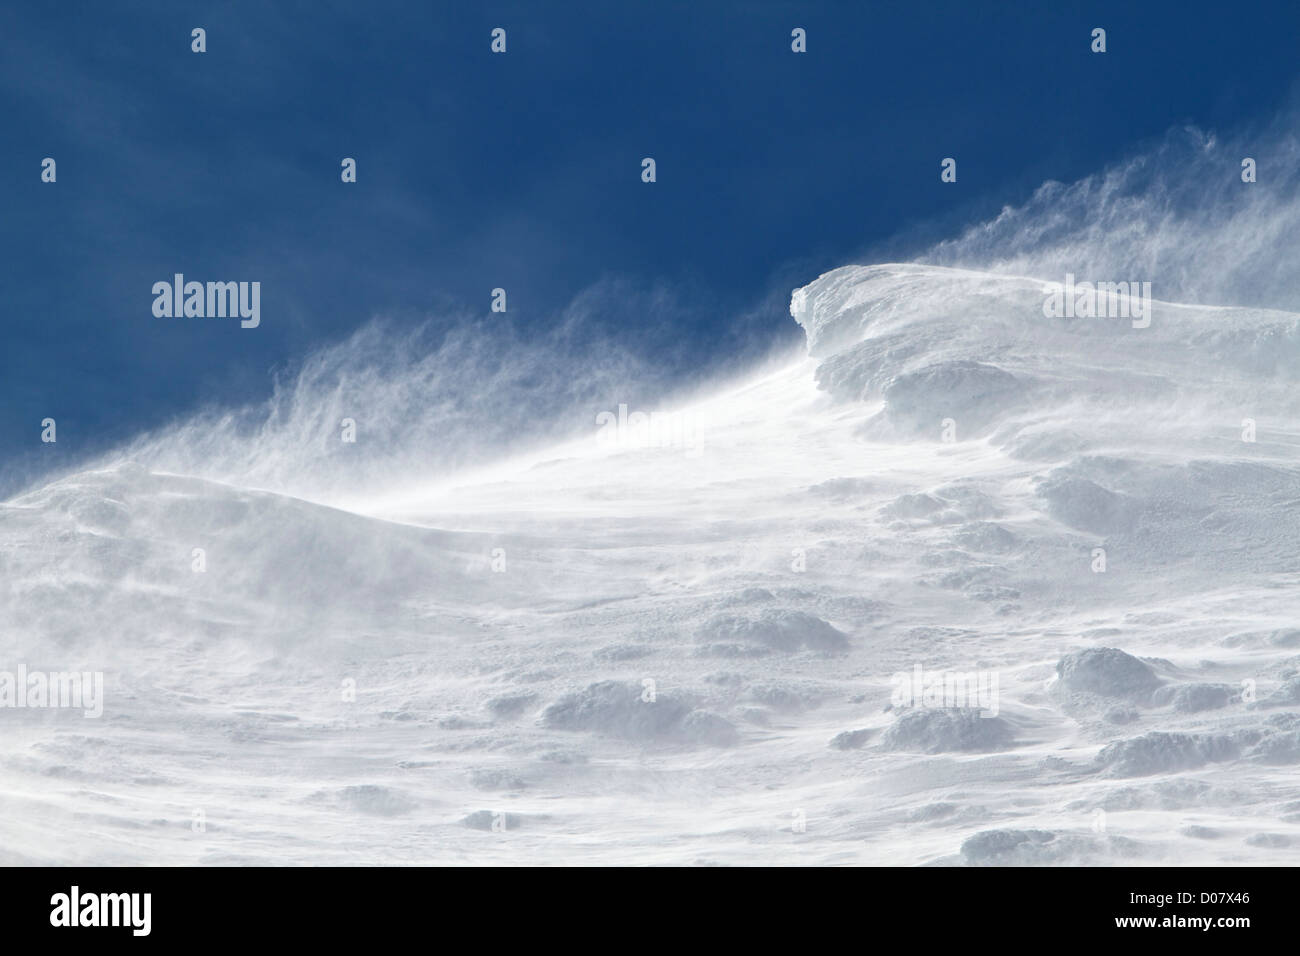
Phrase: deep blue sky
[523,170]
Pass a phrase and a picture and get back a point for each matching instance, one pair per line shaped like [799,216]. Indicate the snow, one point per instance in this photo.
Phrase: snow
[767,582]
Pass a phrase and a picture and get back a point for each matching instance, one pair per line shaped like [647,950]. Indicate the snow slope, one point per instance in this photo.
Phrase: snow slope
[682,651]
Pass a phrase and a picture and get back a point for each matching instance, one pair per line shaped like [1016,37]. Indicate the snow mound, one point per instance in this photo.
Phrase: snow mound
[617,709]
[973,394]
[369,799]
[947,730]
[1042,848]
[1194,698]
[1085,505]
[852,739]
[779,629]
[1161,752]
[1106,672]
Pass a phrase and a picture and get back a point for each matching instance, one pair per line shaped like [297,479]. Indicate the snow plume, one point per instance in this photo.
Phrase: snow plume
[453,393]
[1179,214]
[419,401]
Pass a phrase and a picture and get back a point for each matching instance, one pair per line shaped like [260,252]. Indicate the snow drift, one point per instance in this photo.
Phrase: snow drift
[541,647]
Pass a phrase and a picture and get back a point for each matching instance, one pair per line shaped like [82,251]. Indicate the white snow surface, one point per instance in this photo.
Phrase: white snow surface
[1147,714]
